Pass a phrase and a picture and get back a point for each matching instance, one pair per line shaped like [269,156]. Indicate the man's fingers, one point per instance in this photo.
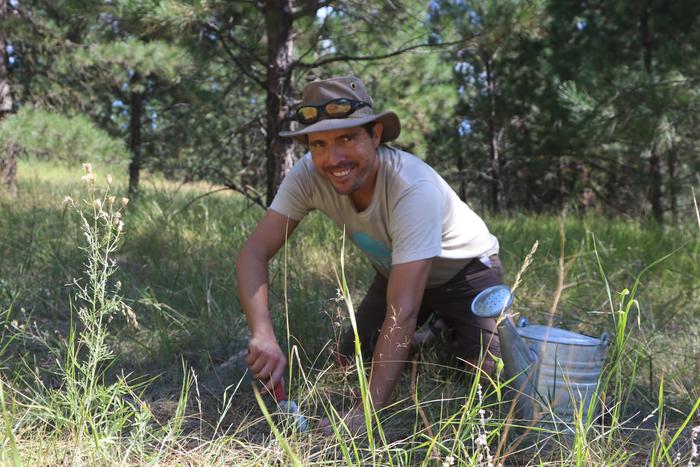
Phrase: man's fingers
[256,364]
[276,376]
[266,371]
[266,362]
[273,376]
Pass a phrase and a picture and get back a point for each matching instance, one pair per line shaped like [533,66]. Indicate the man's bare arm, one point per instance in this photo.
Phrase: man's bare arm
[404,295]
[265,358]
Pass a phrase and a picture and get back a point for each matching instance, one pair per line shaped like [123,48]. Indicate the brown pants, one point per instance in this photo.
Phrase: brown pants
[451,302]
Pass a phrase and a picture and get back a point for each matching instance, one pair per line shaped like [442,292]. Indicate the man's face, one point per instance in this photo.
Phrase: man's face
[347,157]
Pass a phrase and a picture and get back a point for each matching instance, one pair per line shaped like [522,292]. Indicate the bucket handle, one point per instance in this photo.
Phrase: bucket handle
[522,322]
[605,339]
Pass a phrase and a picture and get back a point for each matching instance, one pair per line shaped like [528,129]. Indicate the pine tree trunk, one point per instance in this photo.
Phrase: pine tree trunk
[8,156]
[655,180]
[493,139]
[655,186]
[135,113]
[279,152]
[462,177]
[672,162]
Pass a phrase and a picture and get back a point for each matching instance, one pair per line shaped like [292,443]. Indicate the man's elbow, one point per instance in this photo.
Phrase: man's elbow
[247,257]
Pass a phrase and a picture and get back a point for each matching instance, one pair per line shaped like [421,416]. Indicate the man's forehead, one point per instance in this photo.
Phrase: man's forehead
[332,134]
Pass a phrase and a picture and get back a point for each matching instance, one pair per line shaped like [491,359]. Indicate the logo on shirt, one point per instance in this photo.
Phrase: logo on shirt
[377,252]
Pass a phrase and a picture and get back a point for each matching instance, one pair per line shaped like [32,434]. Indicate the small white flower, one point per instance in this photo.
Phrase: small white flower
[125,201]
[449,460]
[109,179]
[68,201]
[87,167]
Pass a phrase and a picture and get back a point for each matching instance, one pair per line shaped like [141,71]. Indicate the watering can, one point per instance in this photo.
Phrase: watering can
[552,371]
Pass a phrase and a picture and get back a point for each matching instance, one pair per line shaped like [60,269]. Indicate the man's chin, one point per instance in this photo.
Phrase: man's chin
[344,190]
[341,191]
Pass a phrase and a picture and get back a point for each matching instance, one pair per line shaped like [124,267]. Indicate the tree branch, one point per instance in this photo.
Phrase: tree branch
[244,69]
[351,58]
[247,191]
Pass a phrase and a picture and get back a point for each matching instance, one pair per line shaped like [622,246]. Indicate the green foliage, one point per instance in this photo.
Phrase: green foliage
[158,58]
[51,136]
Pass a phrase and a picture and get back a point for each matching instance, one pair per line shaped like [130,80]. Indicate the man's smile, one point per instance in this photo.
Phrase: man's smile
[341,172]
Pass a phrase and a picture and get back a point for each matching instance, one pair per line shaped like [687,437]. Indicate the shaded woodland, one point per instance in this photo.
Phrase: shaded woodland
[521,105]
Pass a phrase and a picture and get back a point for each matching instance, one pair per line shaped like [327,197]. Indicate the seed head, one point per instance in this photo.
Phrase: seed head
[68,201]
[87,167]
[125,201]
[89,178]
[109,179]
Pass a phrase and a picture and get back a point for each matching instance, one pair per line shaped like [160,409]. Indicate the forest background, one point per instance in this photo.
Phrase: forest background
[572,123]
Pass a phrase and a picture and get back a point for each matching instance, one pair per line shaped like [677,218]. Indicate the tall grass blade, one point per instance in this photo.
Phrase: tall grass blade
[7,422]
[278,436]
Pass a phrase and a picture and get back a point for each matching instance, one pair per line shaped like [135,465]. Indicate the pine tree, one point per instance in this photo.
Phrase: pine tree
[8,157]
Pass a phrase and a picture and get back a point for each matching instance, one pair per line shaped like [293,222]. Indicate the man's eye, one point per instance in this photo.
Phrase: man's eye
[346,138]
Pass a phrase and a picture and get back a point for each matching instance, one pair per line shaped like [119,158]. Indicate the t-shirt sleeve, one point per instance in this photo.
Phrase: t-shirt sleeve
[295,194]
[416,223]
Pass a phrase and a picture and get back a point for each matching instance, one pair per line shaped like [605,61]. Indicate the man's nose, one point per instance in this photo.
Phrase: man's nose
[336,154]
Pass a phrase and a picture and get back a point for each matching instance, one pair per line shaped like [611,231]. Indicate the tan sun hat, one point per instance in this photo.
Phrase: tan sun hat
[319,93]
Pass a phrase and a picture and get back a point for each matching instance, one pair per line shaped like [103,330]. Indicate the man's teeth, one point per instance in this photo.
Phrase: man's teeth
[341,173]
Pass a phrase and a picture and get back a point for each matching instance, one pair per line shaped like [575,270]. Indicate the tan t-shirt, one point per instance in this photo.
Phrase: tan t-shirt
[413,215]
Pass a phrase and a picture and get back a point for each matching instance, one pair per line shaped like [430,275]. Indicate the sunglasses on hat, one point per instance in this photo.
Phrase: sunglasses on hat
[336,108]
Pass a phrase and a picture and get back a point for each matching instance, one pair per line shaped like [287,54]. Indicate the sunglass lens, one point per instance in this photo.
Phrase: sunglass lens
[338,108]
[307,114]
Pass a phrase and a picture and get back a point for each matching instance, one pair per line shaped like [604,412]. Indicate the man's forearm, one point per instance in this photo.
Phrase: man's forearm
[390,353]
[253,293]
[404,297]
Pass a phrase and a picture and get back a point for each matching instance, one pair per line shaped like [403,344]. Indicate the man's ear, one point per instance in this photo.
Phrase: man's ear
[377,130]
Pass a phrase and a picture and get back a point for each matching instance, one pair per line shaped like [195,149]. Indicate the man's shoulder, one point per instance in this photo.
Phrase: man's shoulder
[405,169]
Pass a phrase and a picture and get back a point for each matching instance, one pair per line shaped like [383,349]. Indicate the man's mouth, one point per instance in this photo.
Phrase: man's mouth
[340,173]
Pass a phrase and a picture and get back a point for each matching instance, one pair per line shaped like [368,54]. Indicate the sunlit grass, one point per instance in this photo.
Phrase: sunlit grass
[176,268]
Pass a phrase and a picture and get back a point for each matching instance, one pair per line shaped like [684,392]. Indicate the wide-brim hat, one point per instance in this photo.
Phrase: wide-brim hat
[318,93]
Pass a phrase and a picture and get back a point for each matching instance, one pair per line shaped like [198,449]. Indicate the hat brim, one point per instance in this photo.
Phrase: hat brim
[392,126]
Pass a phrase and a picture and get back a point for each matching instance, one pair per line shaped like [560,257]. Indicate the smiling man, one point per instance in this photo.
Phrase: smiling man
[432,254]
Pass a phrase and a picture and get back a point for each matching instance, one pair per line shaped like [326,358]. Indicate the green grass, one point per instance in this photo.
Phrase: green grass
[175,266]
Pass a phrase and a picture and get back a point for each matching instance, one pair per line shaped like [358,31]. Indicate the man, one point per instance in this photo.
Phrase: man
[432,253]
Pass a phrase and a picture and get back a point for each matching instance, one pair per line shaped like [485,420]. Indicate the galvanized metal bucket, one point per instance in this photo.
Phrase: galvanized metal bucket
[567,371]
[553,373]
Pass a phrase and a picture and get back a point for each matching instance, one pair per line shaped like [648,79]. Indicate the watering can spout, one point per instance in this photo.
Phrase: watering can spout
[519,360]
[519,365]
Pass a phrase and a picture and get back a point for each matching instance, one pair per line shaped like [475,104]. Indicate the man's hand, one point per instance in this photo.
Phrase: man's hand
[266,360]
[354,419]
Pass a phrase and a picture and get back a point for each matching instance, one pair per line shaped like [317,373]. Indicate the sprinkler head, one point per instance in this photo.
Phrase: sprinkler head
[493,301]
